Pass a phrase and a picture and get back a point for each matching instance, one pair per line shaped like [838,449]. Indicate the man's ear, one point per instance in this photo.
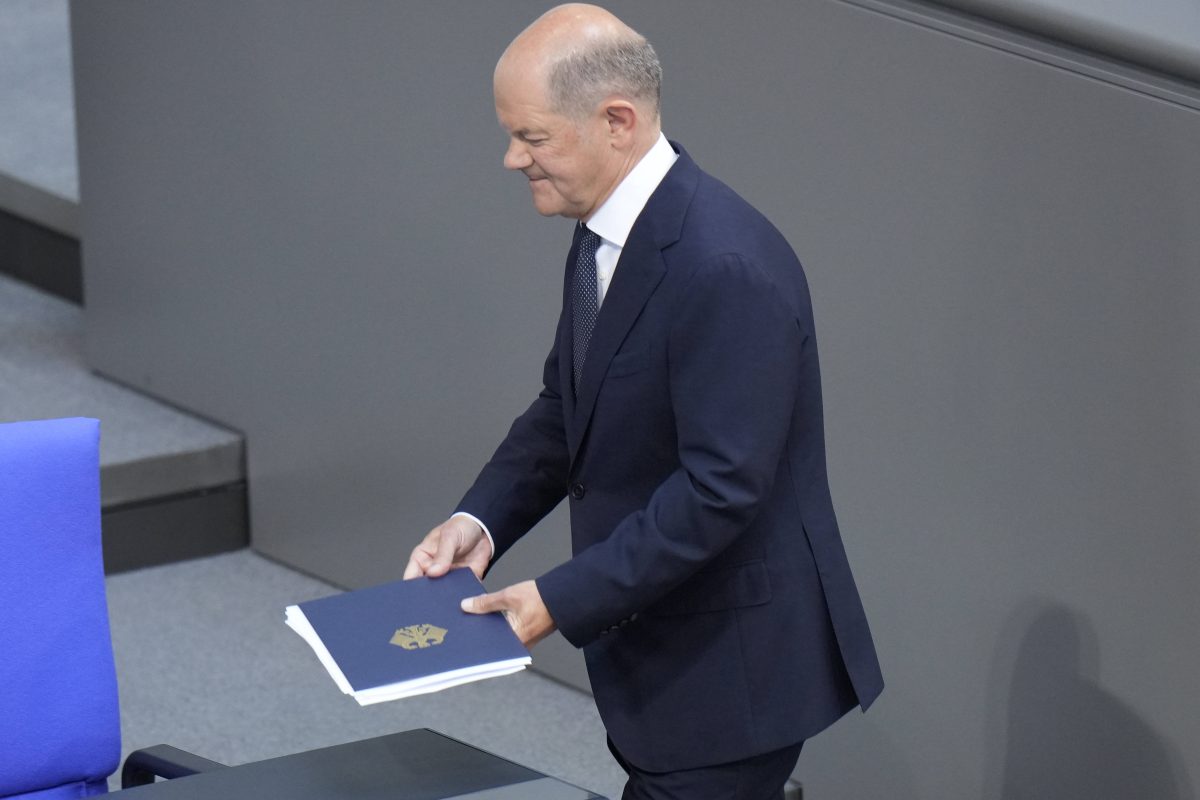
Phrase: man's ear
[622,119]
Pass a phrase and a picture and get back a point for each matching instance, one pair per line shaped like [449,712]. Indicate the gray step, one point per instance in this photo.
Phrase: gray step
[172,484]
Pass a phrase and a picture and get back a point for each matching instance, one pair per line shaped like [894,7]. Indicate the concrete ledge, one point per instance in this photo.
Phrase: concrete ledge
[178,528]
[40,206]
[1164,36]
[1072,54]
[173,473]
[40,257]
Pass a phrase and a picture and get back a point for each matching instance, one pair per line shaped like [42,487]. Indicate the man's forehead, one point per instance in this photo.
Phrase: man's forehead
[524,112]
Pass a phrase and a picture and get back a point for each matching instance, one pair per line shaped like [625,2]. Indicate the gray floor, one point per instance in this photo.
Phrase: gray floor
[37,106]
[206,663]
[147,449]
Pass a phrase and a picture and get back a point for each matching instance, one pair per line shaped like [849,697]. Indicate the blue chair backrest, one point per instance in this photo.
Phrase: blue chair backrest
[60,730]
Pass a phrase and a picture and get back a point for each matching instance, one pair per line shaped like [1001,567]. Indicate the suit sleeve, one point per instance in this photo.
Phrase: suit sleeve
[527,476]
[734,353]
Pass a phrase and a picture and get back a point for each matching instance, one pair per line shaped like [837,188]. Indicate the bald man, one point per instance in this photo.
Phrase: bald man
[681,416]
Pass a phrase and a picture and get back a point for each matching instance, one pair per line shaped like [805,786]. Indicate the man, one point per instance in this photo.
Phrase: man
[681,414]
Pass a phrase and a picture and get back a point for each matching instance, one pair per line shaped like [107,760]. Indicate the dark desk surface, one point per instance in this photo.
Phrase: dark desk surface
[414,765]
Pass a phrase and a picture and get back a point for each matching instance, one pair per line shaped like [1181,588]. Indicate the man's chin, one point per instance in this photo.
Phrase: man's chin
[549,209]
[547,203]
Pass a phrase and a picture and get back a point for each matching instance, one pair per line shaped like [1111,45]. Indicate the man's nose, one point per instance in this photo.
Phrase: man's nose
[516,156]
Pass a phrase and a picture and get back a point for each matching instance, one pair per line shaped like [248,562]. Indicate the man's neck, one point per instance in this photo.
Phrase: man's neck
[634,158]
[614,218]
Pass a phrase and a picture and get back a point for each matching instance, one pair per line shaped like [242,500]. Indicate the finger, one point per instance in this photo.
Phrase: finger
[447,547]
[422,556]
[418,563]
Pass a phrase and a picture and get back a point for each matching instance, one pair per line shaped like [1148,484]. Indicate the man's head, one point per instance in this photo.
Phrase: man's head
[578,94]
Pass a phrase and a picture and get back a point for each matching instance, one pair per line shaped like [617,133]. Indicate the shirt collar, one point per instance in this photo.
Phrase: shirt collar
[614,219]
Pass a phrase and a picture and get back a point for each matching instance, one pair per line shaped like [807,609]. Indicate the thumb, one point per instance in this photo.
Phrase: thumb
[483,603]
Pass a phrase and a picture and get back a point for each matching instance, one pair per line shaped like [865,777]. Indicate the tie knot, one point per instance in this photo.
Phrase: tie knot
[588,238]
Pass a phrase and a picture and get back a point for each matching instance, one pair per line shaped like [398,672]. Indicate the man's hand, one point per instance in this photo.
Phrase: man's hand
[523,608]
[457,542]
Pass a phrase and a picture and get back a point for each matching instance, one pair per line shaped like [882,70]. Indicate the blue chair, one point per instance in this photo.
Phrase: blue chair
[60,732]
[60,729]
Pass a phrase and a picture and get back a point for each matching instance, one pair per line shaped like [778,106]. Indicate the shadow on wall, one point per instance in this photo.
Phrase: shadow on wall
[1054,732]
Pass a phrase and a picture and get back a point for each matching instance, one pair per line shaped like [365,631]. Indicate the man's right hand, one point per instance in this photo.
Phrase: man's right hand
[457,542]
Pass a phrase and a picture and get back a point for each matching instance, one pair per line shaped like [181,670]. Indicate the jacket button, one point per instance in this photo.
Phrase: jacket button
[577,491]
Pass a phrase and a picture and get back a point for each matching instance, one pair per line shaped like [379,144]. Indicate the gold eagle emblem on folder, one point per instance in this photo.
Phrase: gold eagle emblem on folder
[417,637]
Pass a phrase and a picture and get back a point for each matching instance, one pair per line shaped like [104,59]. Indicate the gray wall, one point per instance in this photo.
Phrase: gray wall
[295,221]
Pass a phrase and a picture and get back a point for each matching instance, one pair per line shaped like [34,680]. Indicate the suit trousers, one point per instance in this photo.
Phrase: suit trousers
[760,777]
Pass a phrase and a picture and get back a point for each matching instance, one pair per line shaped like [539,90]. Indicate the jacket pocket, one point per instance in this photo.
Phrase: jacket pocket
[737,586]
[627,363]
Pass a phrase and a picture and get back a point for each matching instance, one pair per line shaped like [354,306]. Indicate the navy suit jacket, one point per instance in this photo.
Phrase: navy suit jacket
[709,588]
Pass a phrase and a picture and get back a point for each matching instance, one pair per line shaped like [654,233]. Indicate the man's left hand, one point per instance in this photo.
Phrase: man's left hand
[521,605]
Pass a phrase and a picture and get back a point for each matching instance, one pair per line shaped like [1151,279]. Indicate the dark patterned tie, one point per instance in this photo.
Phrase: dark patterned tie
[585,303]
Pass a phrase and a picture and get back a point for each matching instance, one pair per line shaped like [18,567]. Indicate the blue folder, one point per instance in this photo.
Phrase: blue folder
[407,637]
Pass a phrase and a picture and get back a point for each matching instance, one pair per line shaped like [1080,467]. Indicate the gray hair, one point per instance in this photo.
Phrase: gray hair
[625,66]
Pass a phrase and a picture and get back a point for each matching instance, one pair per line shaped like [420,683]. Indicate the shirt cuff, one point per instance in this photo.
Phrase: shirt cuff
[486,532]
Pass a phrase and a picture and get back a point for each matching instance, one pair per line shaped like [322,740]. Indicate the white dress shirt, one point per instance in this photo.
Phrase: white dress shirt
[612,223]
[614,219]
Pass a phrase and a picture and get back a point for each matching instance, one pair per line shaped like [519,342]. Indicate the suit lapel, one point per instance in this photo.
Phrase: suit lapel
[633,283]
[639,271]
